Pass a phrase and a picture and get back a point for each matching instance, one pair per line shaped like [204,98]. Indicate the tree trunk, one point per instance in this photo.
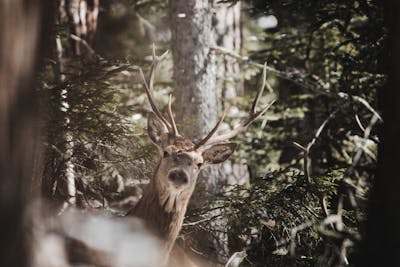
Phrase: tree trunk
[196,98]
[228,34]
[381,245]
[195,70]
[194,73]
[22,26]
[194,66]
[80,17]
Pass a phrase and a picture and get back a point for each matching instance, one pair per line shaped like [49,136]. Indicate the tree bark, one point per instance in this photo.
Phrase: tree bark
[230,84]
[199,97]
[196,99]
[194,74]
[58,173]
[228,34]
[80,18]
[23,24]
[194,66]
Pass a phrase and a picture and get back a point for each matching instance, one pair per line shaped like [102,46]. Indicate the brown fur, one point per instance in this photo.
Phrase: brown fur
[162,220]
[164,202]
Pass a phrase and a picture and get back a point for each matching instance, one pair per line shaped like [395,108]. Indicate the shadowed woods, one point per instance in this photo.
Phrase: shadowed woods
[307,181]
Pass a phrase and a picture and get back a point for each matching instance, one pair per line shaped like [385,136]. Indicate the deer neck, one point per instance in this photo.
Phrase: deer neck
[163,212]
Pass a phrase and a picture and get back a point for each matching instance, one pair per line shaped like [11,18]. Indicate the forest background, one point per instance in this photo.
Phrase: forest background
[296,191]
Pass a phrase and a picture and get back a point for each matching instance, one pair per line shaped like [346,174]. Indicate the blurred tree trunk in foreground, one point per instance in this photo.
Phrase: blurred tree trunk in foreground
[381,245]
[22,26]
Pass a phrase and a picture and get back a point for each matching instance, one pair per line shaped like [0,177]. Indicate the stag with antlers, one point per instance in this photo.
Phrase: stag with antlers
[165,199]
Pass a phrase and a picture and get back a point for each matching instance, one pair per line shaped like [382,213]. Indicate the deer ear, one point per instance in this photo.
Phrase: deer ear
[218,153]
[156,129]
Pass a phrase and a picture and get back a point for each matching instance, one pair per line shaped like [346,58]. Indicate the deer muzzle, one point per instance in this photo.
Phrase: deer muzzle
[178,177]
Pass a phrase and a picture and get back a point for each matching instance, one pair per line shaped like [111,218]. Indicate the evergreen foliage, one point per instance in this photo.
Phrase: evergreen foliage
[316,156]
[314,153]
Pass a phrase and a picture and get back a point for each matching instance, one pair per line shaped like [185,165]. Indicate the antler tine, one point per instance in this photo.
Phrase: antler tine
[241,128]
[171,117]
[154,65]
[149,86]
[152,101]
[211,133]
[253,115]
[258,114]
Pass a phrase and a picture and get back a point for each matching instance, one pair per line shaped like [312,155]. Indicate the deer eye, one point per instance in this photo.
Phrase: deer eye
[166,154]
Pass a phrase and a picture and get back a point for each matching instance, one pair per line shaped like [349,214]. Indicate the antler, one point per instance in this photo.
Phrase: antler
[171,126]
[253,115]
[171,117]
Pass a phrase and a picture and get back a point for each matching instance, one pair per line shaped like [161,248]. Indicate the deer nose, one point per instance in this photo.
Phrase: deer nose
[178,177]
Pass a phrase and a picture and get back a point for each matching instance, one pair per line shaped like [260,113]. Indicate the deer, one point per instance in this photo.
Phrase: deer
[165,199]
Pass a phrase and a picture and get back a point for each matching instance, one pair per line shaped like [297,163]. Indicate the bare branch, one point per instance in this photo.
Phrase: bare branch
[84,43]
[331,219]
[302,148]
[361,149]
[306,150]
[321,128]
[362,101]
[317,86]
[260,90]
[359,123]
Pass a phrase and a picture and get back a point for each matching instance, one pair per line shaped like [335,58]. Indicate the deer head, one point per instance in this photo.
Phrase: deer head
[181,162]
[181,158]
[164,202]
